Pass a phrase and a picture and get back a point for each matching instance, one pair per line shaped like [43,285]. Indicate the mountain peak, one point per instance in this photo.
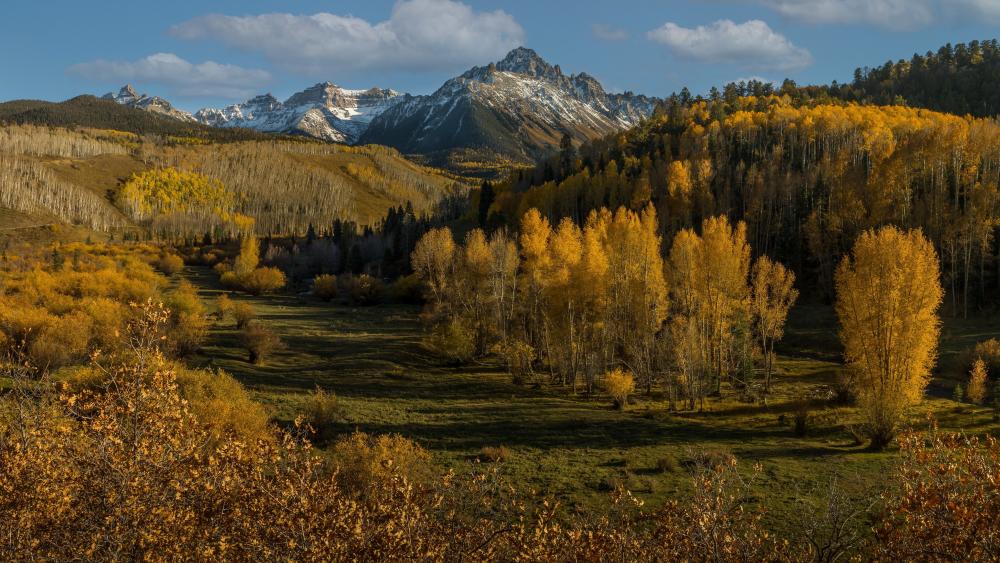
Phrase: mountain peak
[523,60]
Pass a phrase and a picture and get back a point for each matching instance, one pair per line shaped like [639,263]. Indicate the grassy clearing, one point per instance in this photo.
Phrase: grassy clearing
[572,448]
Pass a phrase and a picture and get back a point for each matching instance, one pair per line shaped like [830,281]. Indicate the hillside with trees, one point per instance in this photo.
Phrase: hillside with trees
[172,187]
[806,180]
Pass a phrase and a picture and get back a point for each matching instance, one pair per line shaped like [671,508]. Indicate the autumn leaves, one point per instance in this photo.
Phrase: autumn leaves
[574,303]
[888,293]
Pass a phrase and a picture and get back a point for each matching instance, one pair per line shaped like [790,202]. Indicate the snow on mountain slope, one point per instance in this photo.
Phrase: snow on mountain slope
[128,97]
[325,111]
[519,107]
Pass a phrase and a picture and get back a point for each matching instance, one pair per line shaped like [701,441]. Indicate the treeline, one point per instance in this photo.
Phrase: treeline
[961,79]
[577,303]
[806,181]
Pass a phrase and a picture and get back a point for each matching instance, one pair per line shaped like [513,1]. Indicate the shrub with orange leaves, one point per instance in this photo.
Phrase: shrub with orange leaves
[948,501]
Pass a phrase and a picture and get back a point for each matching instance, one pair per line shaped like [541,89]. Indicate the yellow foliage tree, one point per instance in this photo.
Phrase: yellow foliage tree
[976,391]
[888,294]
[772,296]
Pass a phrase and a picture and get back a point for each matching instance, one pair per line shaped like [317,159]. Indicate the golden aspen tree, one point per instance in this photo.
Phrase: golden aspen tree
[591,283]
[679,179]
[563,299]
[534,242]
[772,295]
[248,258]
[976,391]
[433,260]
[686,330]
[473,292]
[504,263]
[888,294]
[725,293]
[638,289]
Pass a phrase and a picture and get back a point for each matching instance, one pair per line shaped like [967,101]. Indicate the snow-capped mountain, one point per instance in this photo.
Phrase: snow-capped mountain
[325,111]
[127,97]
[519,107]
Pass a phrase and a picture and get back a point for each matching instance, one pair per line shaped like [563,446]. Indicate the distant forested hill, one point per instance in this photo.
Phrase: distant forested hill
[91,112]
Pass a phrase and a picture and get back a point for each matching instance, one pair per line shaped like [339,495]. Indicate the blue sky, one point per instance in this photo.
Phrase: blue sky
[217,52]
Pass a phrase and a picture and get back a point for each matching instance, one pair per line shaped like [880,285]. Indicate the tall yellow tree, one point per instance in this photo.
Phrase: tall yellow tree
[888,294]
[535,258]
[772,295]
[433,260]
[249,256]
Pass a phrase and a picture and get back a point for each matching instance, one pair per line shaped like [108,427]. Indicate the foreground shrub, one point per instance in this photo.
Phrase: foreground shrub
[259,341]
[321,411]
[363,289]
[619,384]
[453,340]
[367,463]
[325,287]
[223,406]
[170,264]
[188,325]
[948,500]
[494,454]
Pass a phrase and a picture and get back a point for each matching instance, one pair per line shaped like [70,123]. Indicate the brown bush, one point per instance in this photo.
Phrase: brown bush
[368,462]
[170,264]
[259,341]
[223,405]
[321,412]
[494,454]
[363,289]
[325,287]
[242,313]
[262,281]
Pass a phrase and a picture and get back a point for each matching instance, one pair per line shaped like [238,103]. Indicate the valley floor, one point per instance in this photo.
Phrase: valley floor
[573,448]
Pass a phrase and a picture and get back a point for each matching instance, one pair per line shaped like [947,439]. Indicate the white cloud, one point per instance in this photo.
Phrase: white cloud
[608,33]
[419,34]
[897,15]
[987,11]
[752,45]
[891,14]
[183,78]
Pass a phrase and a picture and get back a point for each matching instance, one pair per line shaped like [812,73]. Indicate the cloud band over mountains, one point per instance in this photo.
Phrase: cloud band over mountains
[180,76]
[419,35]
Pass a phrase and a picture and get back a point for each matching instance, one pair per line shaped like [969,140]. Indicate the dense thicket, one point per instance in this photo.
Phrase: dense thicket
[806,180]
